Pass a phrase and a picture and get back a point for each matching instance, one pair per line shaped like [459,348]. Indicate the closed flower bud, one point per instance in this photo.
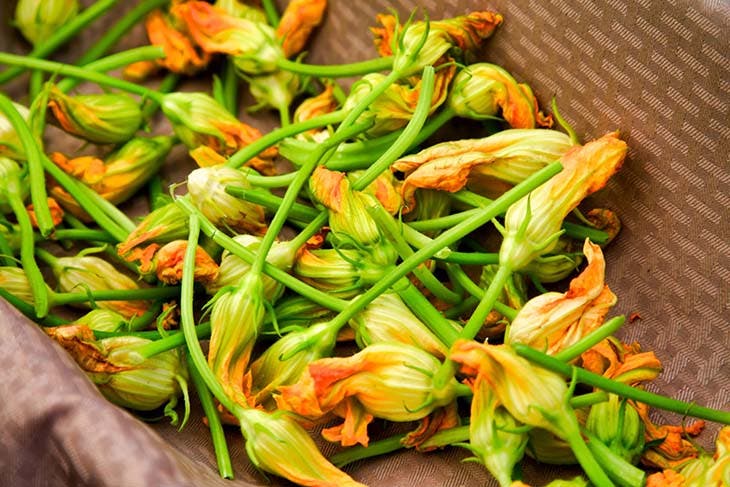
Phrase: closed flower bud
[342,272]
[509,156]
[163,225]
[252,45]
[545,447]
[235,319]
[38,19]
[388,319]
[297,22]
[552,268]
[275,90]
[273,437]
[102,320]
[554,321]
[393,381]
[103,119]
[233,269]
[483,90]
[207,187]
[292,313]
[82,273]
[14,281]
[495,437]
[10,145]
[617,424]
[514,292]
[239,9]
[197,119]
[532,224]
[285,360]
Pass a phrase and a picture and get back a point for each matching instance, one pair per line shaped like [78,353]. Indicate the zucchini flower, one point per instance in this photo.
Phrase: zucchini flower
[496,439]
[388,319]
[207,187]
[552,268]
[348,215]
[294,312]
[618,426]
[532,224]
[509,156]
[285,361]
[606,220]
[15,281]
[197,119]
[182,56]
[38,19]
[163,225]
[483,90]
[340,272]
[10,145]
[393,381]
[89,273]
[275,90]
[101,320]
[297,22]
[395,106]
[272,437]
[120,176]
[545,447]
[235,319]
[122,375]
[239,9]
[707,471]
[103,119]
[233,269]
[168,263]
[313,107]
[385,188]
[464,35]
[619,361]
[252,45]
[554,321]
[53,206]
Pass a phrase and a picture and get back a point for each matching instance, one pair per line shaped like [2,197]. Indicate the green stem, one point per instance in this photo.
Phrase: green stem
[171,342]
[593,338]
[29,310]
[272,15]
[447,238]
[38,286]
[298,211]
[188,320]
[337,70]
[87,201]
[223,458]
[589,464]
[81,234]
[252,150]
[471,258]
[621,389]
[38,194]
[35,84]
[307,232]
[456,311]
[248,256]
[621,471]
[230,87]
[564,123]
[119,30]
[425,311]
[486,304]
[458,275]
[278,181]
[284,117]
[587,400]
[153,293]
[77,72]
[156,194]
[115,61]
[292,192]
[6,252]
[60,36]
[167,84]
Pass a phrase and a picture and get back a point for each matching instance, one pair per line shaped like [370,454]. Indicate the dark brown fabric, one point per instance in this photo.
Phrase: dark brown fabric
[657,71]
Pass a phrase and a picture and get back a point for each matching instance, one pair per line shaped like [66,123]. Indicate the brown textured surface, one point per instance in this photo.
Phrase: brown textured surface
[658,71]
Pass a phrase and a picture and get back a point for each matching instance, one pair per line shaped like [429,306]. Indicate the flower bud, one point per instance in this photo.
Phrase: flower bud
[89,273]
[388,319]
[532,224]
[272,437]
[275,90]
[285,360]
[617,424]
[340,272]
[103,119]
[10,145]
[15,281]
[545,447]
[235,319]
[102,320]
[197,119]
[10,171]
[233,269]
[38,19]
[297,22]
[514,292]
[239,9]
[252,45]
[207,187]
[482,90]
[314,107]
[393,381]
[293,313]
[509,156]
[555,321]
[163,225]
[552,268]
[495,438]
